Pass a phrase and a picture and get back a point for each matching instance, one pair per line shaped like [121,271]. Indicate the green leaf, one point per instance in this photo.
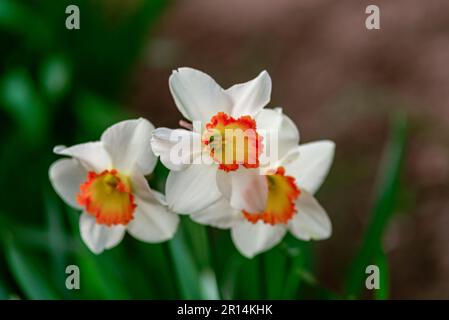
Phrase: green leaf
[383,292]
[154,259]
[187,275]
[388,186]
[248,281]
[230,276]
[100,278]
[3,291]
[275,270]
[301,260]
[197,234]
[56,236]
[32,281]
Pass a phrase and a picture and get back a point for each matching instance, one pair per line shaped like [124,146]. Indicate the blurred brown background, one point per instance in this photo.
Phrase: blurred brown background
[336,80]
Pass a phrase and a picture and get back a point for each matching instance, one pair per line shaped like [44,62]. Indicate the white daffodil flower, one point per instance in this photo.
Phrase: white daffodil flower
[106,180]
[192,182]
[287,200]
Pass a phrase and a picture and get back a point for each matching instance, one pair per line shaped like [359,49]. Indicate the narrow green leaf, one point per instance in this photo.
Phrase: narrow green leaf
[197,234]
[56,236]
[388,186]
[275,270]
[230,276]
[383,292]
[249,279]
[100,278]
[154,259]
[301,259]
[32,281]
[187,275]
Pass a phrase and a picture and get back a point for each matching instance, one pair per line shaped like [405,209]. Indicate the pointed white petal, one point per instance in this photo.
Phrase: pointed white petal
[192,189]
[92,155]
[176,148]
[279,133]
[66,176]
[246,189]
[269,119]
[141,189]
[311,220]
[252,239]
[288,136]
[152,221]
[128,143]
[250,97]
[99,237]
[313,164]
[197,96]
[219,215]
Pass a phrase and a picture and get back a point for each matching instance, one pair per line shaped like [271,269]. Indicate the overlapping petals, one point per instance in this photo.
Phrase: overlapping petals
[192,183]
[124,153]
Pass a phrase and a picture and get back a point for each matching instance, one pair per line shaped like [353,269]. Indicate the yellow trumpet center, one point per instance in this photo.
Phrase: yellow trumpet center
[233,142]
[282,194]
[108,197]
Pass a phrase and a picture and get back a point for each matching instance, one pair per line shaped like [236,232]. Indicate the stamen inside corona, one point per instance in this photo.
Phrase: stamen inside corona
[282,194]
[108,197]
[233,142]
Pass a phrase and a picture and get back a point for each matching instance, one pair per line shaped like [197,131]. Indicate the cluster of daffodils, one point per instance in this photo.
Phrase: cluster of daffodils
[234,165]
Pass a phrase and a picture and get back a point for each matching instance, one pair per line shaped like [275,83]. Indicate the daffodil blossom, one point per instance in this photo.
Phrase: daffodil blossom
[286,201]
[192,185]
[106,180]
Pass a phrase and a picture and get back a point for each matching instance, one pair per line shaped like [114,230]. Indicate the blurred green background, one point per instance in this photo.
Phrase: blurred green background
[373,92]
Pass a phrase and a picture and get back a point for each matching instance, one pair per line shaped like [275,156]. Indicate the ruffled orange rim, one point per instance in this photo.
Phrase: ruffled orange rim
[282,195]
[107,196]
[233,142]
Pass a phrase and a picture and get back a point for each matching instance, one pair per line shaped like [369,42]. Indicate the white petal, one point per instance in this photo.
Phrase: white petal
[176,148]
[311,220]
[66,176]
[128,143]
[219,215]
[313,164]
[288,136]
[152,222]
[92,155]
[252,239]
[279,133]
[246,189]
[192,189]
[269,119]
[197,96]
[141,189]
[99,237]
[250,97]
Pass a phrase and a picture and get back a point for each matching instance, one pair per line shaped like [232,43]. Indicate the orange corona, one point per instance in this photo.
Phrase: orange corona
[282,194]
[233,142]
[107,196]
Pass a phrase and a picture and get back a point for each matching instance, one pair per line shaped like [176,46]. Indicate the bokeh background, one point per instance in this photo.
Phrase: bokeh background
[381,95]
